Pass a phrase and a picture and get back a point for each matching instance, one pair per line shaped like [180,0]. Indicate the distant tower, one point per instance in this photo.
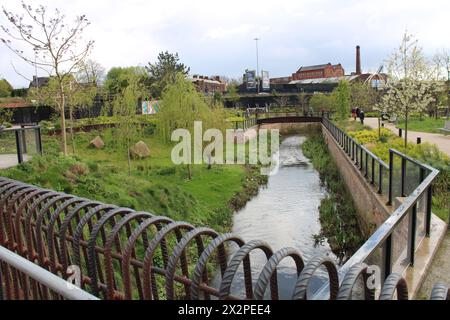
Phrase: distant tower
[358,60]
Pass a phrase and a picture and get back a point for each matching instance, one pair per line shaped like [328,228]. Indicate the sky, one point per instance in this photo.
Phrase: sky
[217,37]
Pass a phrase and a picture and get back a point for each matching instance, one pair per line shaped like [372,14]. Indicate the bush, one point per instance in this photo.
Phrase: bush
[370,136]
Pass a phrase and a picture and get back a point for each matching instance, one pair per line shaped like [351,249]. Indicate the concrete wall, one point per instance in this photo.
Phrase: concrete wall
[370,206]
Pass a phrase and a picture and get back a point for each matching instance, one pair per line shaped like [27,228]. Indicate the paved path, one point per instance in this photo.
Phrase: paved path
[10,160]
[442,141]
[439,270]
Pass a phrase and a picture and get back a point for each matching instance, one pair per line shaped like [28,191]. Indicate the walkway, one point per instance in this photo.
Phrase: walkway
[10,160]
[443,142]
[439,270]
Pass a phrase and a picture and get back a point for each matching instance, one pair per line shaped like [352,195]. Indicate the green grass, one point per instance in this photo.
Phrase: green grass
[155,185]
[426,124]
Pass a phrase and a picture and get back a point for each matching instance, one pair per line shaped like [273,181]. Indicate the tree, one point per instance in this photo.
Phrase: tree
[233,95]
[117,78]
[441,62]
[321,101]
[164,72]
[5,89]
[92,72]
[342,96]
[363,96]
[407,96]
[182,105]
[282,101]
[55,43]
[125,105]
[77,95]
[5,116]
[303,101]
[408,61]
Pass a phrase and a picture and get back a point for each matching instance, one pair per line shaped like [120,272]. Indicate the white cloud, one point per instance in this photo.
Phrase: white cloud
[217,37]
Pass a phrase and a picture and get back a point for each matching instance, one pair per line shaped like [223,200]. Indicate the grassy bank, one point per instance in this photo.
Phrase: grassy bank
[337,211]
[155,184]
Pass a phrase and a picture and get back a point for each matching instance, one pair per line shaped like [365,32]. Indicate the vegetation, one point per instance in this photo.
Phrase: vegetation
[411,87]
[363,96]
[425,152]
[337,211]
[155,184]
[424,124]
[321,101]
[76,95]
[56,45]
[5,89]
[342,100]
[124,107]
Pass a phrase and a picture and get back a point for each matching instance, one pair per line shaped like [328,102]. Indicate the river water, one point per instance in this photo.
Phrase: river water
[285,214]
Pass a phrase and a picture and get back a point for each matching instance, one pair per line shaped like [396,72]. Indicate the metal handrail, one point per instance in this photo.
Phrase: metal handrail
[42,276]
[382,237]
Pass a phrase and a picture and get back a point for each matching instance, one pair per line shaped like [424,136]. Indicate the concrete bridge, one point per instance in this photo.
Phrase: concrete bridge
[111,251]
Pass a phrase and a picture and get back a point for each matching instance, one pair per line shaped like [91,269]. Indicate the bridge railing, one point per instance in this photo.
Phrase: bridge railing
[392,247]
[21,279]
[124,254]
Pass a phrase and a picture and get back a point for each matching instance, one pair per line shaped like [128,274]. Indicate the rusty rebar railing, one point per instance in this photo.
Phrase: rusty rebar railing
[124,254]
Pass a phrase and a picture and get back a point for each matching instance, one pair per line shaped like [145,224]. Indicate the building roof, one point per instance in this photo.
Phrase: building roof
[324,80]
[318,67]
[15,105]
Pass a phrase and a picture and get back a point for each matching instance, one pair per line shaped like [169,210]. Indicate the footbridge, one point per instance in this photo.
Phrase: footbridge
[49,238]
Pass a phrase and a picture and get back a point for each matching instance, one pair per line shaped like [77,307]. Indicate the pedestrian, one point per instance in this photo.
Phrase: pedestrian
[357,112]
[354,114]
[361,116]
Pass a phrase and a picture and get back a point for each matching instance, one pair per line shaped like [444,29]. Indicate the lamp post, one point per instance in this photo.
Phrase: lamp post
[257,64]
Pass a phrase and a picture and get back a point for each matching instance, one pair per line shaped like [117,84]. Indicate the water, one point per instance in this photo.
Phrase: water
[285,214]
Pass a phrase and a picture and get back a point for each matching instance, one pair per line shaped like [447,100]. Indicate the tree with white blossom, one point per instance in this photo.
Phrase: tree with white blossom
[410,87]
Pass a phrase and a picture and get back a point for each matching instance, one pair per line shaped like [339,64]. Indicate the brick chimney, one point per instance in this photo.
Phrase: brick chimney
[358,60]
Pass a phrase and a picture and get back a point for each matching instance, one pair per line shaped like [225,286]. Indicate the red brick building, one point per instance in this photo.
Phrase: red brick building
[319,71]
[209,85]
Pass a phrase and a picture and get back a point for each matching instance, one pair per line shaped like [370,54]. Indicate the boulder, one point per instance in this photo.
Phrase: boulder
[97,143]
[140,150]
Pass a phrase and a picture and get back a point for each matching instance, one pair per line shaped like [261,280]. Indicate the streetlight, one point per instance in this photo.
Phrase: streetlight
[257,64]
[448,93]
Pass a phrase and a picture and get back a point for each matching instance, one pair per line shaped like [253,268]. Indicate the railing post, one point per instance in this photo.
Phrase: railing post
[19,146]
[428,210]
[372,180]
[380,178]
[367,162]
[387,257]
[353,149]
[37,133]
[24,140]
[391,172]
[412,234]
[361,158]
[403,181]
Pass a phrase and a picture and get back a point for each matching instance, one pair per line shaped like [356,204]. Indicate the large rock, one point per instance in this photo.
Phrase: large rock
[140,150]
[97,143]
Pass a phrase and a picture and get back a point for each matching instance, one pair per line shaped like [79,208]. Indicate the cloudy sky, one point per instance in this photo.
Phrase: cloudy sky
[216,37]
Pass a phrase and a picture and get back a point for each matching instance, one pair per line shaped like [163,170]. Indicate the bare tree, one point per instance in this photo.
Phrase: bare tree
[91,72]
[56,43]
